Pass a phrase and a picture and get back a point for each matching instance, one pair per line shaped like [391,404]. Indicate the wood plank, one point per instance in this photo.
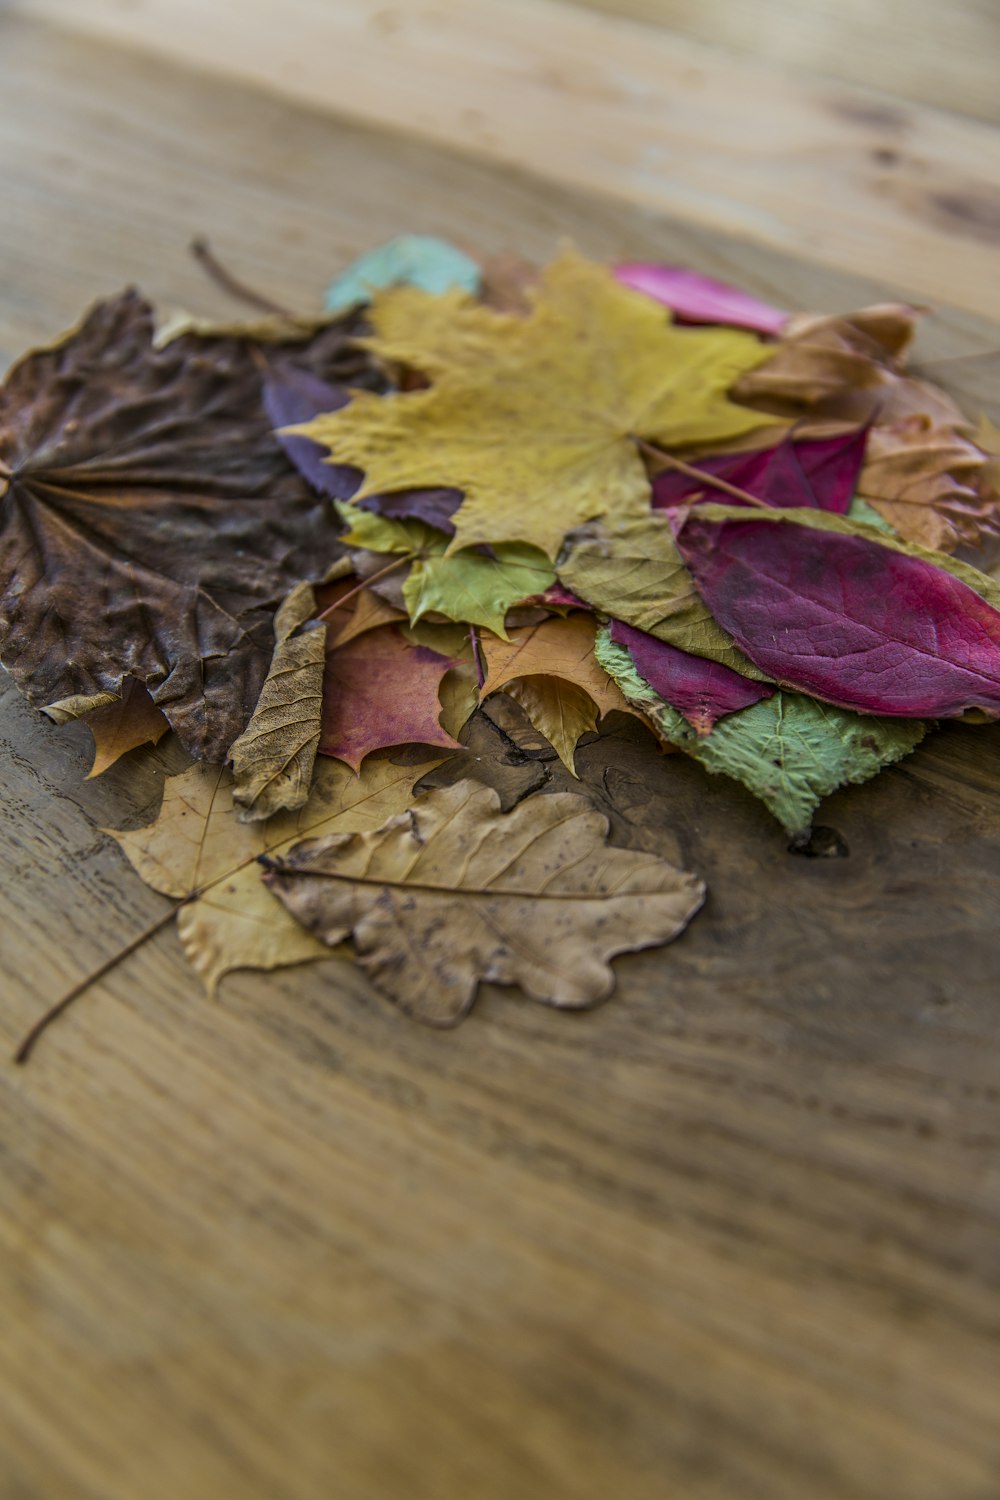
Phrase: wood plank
[732,1234]
[840,175]
[916,49]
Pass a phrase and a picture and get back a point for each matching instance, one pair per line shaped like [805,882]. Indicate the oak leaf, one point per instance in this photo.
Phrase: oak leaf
[149,523]
[535,419]
[454,892]
[197,851]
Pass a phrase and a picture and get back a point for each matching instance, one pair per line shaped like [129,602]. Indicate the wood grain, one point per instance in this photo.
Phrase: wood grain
[845,176]
[916,49]
[732,1234]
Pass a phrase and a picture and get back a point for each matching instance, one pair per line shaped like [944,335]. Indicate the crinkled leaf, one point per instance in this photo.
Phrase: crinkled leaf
[694,298]
[533,418]
[845,615]
[197,844]
[702,691]
[380,691]
[455,892]
[788,750]
[420,260]
[151,525]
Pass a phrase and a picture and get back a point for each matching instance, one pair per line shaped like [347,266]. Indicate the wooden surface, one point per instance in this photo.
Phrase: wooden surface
[850,177]
[732,1236]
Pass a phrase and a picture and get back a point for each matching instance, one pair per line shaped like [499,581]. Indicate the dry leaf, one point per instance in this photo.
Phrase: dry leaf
[454,892]
[273,758]
[535,419]
[197,844]
[551,671]
[152,524]
[123,725]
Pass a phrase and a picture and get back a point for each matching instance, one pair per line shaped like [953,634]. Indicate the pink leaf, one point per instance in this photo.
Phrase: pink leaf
[845,619]
[700,299]
[379,691]
[703,691]
[820,475]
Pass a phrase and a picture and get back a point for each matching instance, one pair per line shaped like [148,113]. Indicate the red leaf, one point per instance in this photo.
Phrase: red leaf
[846,619]
[694,298]
[378,691]
[820,475]
[703,691]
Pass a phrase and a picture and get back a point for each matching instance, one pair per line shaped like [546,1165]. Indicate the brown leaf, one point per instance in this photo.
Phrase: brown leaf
[150,524]
[123,725]
[197,848]
[550,669]
[273,758]
[820,357]
[454,892]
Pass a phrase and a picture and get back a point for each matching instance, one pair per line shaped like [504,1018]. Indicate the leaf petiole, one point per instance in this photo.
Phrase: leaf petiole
[331,609]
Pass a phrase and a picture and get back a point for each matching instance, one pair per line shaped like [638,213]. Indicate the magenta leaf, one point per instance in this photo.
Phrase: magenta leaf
[703,691]
[818,475]
[845,619]
[700,299]
[292,396]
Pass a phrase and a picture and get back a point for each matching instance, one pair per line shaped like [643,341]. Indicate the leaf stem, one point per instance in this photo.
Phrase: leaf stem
[206,258]
[331,609]
[710,481]
[27,1046]
[477,657]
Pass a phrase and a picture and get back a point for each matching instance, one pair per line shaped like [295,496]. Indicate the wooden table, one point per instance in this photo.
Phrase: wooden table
[732,1236]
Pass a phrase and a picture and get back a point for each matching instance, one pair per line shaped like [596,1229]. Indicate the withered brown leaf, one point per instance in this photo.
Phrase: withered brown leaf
[149,522]
[454,891]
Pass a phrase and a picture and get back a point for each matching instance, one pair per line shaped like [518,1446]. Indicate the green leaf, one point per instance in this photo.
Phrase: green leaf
[472,586]
[419,260]
[790,750]
[633,571]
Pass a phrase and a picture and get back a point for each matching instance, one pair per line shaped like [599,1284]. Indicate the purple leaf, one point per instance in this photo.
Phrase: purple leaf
[845,619]
[820,475]
[703,691]
[292,396]
[700,299]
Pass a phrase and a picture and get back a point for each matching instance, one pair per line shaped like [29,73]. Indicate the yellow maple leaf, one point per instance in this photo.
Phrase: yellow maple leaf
[537,419]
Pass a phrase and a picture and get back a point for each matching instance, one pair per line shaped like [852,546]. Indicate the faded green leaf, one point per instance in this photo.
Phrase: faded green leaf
[790,751]
[420,260]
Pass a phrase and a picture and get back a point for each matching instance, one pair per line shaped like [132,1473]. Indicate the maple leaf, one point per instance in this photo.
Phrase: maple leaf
[149,522]
[551,671]
[841,615]
[535,419]
[198,851]
[477,587]
[634,572]
[381,690]
[118,724]
[454,892]
[788,750]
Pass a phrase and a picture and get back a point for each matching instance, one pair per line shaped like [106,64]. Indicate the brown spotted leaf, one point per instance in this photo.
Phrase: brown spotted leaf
[454,892]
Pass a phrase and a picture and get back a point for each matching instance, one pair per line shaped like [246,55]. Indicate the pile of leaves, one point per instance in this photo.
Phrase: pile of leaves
[315,548]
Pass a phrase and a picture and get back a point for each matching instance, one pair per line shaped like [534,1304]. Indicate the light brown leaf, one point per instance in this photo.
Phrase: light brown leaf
[197,844]
[454,892]
[550,669]
[123,725]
